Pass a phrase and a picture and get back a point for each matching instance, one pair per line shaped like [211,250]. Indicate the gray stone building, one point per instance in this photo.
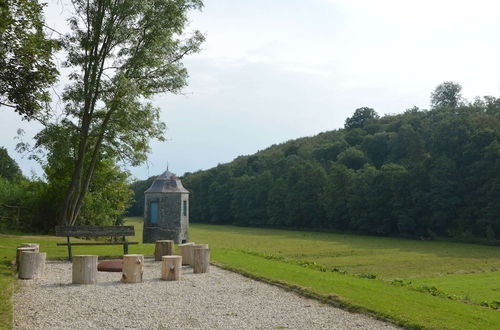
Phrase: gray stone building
[166,210]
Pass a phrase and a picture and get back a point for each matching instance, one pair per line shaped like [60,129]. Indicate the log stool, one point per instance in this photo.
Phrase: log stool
[171,268]
[191,249]
[25,247]
[163,248]
[201,258]
[31,265]
[133,267]
[84,269]
[185,253]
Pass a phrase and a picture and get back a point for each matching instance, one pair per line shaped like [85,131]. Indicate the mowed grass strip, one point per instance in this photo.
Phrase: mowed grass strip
[481,288]
[404,307]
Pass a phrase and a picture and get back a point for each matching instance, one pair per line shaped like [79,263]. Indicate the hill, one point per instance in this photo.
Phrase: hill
[421,174]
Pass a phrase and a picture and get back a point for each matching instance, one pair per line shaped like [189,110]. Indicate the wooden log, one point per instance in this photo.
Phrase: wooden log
[171,267]
[201,260]
[191,252]
[24,248]
[84,269]
[133,267]
[163,248]
[31,265]
[185,253]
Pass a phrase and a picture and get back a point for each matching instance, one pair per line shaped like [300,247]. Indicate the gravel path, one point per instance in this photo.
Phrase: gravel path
[216,300]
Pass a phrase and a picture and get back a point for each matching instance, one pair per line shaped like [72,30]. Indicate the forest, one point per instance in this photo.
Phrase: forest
[422,174]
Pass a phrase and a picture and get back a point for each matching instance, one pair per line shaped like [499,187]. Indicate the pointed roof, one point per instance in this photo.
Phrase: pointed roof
[167,183]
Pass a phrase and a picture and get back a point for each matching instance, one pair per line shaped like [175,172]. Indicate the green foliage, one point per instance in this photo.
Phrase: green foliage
[421,174]
[26,66]
[446,94]
[9,169]
[352,158]
[106,202]
[138,188]
[360,117]
[120,54]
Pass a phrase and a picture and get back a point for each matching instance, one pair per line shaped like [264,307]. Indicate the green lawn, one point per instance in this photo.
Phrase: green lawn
[417,284]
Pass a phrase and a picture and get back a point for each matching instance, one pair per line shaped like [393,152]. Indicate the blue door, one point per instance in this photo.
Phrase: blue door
[153,212]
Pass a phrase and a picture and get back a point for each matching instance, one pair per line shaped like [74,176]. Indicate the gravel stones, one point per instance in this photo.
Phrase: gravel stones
[216,300]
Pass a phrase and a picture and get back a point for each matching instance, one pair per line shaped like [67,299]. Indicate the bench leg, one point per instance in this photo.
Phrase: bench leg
[125,248]
[70,256]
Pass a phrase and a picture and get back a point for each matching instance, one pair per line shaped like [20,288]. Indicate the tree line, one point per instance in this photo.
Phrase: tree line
[421,174]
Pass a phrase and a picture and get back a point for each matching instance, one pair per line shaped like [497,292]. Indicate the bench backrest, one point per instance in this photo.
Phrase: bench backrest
[94,231]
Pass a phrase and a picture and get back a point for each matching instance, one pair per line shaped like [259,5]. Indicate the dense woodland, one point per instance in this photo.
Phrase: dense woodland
[423,174]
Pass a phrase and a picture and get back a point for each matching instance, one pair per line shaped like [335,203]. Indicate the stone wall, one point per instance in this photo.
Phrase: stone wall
[172,224]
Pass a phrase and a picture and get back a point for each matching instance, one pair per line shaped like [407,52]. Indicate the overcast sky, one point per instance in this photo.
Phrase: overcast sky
[274,70]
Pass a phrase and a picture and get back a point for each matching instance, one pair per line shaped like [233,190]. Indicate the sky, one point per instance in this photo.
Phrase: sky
[275,70]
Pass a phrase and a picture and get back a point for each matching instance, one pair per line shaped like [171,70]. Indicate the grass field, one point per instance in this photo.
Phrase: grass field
[417,284]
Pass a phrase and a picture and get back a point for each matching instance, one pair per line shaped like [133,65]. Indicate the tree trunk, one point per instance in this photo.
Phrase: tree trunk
[171,267]
[201,260]
[85,269]
[184,250]
[191,252]
[31,265]
[163,248]
[133,267]
[25,247]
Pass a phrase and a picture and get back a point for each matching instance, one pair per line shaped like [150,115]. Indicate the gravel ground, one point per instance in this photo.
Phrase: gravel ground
[216,300]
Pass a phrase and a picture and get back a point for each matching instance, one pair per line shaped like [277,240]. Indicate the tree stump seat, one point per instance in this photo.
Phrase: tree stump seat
[114,266]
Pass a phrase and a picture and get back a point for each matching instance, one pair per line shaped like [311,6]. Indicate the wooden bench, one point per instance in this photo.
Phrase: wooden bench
[95,231]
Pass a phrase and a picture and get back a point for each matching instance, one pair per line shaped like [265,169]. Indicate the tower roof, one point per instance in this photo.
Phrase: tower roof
[167,183]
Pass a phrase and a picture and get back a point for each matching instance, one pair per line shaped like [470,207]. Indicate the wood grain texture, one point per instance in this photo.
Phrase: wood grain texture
[94,231]
[163,248]
[133,268]
[185,253]
[31,265]
[201,262]
[171,267]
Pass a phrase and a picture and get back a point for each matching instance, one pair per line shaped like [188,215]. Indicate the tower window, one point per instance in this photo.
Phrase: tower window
[153,212]
[184,208]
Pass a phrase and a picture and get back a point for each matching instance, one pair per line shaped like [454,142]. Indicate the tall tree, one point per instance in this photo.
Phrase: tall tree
[122,53]
[447,94]
[360,117]
[26,66]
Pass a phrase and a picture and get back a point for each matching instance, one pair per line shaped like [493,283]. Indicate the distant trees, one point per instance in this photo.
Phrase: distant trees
[360,117]
[419,174]
[447,94]
[9,170]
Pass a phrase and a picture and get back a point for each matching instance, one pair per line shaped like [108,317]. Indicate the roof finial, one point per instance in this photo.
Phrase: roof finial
[167,166]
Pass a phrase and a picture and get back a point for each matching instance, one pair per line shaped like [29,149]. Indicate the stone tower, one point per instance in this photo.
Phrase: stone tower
[166,210]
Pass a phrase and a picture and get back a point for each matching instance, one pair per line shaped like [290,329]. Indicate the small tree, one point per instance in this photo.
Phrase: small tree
[446,94]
